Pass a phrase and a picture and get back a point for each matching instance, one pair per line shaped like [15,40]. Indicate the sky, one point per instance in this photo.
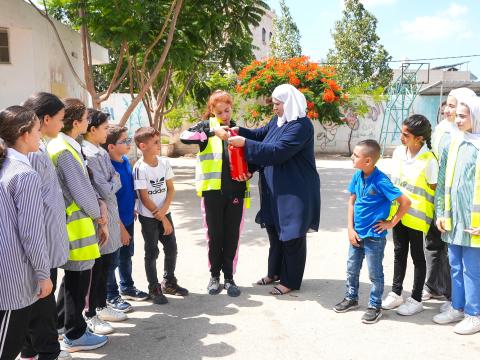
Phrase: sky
[408,29]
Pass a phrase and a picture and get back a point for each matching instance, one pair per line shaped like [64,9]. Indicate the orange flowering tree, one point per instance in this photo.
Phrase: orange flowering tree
[324,95]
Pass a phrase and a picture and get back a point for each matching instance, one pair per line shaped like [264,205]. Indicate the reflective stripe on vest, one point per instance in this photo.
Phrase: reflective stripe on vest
[208,169]
[80,228]
[414,185]
[449,175]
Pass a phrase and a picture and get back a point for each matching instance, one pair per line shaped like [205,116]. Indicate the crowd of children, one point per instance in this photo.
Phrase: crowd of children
[67,194]
[69,198]
[436,184]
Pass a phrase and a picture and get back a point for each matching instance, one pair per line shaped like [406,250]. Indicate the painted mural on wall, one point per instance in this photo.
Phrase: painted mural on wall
[116,106]
[334,138]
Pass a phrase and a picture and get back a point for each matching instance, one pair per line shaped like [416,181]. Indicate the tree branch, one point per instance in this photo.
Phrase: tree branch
[114,83]
[182,94]
[159,65]
[159,36]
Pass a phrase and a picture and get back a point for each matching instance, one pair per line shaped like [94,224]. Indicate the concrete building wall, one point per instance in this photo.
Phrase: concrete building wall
[36,60]
[262,35]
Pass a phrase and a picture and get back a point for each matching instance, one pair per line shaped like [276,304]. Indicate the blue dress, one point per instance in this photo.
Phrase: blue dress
[289,181]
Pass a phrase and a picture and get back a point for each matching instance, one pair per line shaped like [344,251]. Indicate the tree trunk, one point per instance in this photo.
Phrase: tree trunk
[158,66]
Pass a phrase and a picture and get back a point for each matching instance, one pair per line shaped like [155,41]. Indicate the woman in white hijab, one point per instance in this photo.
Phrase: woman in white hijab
[289,185]
[458,218]
[437,283]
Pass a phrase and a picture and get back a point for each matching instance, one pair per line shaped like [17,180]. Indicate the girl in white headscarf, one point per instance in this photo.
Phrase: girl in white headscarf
[458,218]
[289,185]
[437,283]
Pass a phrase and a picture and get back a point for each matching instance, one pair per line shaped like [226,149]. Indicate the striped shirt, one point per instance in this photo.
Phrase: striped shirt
[76,186]
[23,248]
[106,182]
[53,207]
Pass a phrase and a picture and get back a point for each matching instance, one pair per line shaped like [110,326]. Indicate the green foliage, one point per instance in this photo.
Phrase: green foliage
[175,118]
[319,85]
[358,55]
[285,42]
[357,98]
[209,35]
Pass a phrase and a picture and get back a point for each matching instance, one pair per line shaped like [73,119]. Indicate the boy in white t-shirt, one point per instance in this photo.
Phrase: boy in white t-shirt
[153,179]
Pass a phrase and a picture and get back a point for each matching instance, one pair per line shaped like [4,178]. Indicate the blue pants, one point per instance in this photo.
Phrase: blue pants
[465,273]
[373,250]
[122,258]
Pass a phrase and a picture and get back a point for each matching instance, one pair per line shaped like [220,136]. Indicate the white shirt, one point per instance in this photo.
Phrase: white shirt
[14,154]
[153,179]
[400,155]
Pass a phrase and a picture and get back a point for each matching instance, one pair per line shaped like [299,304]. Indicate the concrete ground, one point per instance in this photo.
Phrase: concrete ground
[257,325]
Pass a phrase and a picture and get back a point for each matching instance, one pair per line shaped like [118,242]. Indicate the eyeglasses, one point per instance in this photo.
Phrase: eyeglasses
[127,141]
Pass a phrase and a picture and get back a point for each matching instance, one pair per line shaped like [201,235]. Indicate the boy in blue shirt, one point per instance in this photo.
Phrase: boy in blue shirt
[118,146]
[371,195]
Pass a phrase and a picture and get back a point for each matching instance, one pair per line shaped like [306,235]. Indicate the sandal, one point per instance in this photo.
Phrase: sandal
[264,281]
[277,291]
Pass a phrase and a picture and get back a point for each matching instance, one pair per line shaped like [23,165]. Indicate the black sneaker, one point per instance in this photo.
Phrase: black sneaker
[345,305]
[372,315]
[232,288]
[213,286]
[171,287]
[134,294]
[157,296]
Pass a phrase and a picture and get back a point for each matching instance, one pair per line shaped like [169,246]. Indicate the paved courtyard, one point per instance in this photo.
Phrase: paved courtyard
[257,325]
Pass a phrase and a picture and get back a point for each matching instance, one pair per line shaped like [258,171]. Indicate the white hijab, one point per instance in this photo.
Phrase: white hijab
[459,93]
[294,103]
[473,104]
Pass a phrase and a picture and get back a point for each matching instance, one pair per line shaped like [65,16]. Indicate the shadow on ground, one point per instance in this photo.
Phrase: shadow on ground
[176,330]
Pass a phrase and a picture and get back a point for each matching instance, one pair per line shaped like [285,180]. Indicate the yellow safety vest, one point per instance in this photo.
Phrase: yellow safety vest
[414,185]
[208,170]
[80,227]
[475,210]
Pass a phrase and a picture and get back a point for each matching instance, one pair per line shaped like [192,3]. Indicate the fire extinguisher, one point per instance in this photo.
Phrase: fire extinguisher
[238,163]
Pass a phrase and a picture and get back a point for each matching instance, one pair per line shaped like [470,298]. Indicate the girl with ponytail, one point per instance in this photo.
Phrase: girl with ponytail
[414,172]
[42,335]
[24,265]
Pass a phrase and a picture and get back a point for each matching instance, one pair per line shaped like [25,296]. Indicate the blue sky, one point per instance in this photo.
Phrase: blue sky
[407,28]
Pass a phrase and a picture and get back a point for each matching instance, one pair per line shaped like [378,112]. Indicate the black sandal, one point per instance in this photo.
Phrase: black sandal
[262,281]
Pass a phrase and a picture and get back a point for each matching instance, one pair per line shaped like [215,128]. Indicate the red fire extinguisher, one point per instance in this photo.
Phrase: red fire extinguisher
[238,164]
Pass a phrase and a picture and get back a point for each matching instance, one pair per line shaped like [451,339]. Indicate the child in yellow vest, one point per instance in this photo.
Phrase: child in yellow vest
[83,214]
[222,197]
[414,172]
[458,213]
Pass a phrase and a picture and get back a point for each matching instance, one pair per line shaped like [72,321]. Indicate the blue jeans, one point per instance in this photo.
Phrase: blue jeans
[465,273]
[122,258]
[373,250]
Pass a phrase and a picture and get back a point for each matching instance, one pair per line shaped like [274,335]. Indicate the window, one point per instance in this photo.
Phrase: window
[4,51]
[270,37]
[264,35]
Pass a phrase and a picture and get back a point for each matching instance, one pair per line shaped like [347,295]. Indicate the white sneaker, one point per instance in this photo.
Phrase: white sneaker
[109,314]
[64,355]
[98,326]
[469,325]
[445,306]
[410,307]
[449,316]
[392,301]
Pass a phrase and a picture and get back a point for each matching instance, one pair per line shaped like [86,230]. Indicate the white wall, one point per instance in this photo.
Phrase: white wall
[36,60]
[263,47]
